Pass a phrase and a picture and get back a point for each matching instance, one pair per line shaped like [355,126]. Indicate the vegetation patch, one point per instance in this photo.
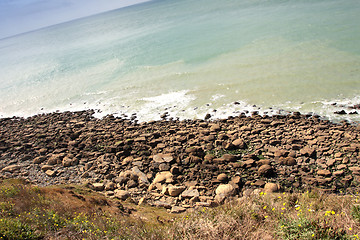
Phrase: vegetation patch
[76,212]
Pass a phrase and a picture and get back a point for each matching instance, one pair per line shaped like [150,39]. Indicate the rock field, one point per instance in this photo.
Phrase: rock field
[182,164]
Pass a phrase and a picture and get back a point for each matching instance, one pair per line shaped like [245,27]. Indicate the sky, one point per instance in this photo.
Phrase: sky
[19,16]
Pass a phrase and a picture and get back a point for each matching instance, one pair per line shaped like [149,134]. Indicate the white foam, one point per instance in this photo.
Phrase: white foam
[216,97]
[180,97]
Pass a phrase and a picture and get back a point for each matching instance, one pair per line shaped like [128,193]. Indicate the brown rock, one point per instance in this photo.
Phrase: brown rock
[207,116]
[175,170]
[194,200]
[271,187]
[355,170]
[121,194]
[127,160]
[39,160]
[249,163]
[341,166]
[296,147]
[225,190]
[110,186]
[220,198]
[309,180]
[265,170]
[175,191]
[165,190]
[290,161]
[236,180]
[308,152]
[142,201]
[140,139]
[259,183]
[330,162]
[54,159]
[350,149]
[46,167]
[141,177]
[162,204]
[239,143]
[50,173]
[98,186]
[176,209]
[190,193]
[280,153]
[209,157]
[131,183]
[263,162]
[229,158]
[214,127]
[222,177]
[338,173]
[323,172]
[163,158]
[162,177]
[164,167]
[67,162]
[11,168]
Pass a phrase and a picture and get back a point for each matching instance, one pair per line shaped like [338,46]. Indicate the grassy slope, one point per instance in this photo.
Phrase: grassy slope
[76,212]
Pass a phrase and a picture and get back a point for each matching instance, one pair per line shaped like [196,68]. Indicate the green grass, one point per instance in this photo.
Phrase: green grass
[356,212]
[13,229]
[303,228]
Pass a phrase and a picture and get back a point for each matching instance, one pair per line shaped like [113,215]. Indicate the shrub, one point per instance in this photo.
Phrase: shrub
[355,212]
[305,229]
[14,229]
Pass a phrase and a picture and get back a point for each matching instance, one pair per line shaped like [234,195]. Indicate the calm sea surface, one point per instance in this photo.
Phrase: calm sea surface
[190,58]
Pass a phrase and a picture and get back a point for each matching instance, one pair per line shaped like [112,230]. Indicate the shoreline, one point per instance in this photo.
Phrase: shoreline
[337,112]
[182,163]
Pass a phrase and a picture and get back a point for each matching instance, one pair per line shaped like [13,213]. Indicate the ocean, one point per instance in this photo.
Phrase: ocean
[190,58]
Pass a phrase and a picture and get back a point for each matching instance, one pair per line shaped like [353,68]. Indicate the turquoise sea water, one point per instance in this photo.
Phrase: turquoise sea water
[190,58]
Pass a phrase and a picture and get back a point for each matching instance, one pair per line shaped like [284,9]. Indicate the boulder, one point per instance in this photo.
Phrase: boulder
[271,187]
[121,194]
[175,170]
[323,172]
[265,170]
[226,190]
[46,167]
[239,143]
[162,177]
[190,193]
[110,186]
[98,186]
[222,177]
[229,158]
[163,158]
[142,178]
[355,170]
[39,160]
[308,152]
[215,127]
[11,168]
[127,160]
[67,162]
[288,161]
[162,204]
[50,173]
[54,159]
[175,191]
[176,209]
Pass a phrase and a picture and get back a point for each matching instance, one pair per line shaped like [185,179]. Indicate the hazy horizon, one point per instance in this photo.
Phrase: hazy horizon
[21,16]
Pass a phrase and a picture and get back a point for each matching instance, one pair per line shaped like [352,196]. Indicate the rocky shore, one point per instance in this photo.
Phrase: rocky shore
[182,164]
